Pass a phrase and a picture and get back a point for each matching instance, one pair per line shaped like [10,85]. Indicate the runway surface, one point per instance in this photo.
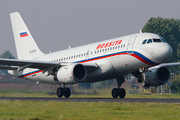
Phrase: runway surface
[140,100]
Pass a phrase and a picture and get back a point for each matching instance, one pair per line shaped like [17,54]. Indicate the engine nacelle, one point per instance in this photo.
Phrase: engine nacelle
[71,74]
[157,76]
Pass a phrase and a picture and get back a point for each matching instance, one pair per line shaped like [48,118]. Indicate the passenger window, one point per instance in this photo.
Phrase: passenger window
[144,42]
[149,41]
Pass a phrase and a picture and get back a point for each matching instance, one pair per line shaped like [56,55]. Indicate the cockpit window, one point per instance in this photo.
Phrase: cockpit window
[149,41]
[156,40]
[162,39]
[144,42]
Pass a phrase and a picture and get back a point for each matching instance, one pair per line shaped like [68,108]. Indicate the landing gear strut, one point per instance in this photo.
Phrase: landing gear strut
[145,83]
[141,75]
[63,91]
[119,91]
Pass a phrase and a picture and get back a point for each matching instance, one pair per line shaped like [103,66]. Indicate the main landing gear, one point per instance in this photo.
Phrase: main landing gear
[119,91]
[63,91]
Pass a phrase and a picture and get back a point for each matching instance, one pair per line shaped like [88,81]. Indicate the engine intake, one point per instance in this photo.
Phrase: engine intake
[71,73]
[79,72]
[158,76]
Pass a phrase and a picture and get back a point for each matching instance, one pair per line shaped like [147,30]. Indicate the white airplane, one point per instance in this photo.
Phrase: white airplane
[139,54]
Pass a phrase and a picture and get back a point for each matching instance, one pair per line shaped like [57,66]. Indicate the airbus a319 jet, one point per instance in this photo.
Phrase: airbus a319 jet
[140,54]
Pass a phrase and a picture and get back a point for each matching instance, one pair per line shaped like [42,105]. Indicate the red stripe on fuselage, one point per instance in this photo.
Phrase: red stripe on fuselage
[139,58]
[31,73]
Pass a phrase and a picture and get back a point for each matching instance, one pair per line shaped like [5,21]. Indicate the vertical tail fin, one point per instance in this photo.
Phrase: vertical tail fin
[26,47]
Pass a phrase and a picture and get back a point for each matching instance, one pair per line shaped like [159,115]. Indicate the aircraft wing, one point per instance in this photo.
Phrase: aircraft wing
[14,64]
[169,64]
[25,64]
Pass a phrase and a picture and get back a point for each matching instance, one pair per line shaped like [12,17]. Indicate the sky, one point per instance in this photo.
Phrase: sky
[56,24]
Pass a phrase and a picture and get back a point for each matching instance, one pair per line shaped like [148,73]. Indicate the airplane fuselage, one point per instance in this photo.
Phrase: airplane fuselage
[115,56]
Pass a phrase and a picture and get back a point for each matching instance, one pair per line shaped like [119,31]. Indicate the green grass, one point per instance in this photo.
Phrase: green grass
[53,110]
[37,110]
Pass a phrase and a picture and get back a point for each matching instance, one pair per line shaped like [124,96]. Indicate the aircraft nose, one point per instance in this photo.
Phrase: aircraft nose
[165,51]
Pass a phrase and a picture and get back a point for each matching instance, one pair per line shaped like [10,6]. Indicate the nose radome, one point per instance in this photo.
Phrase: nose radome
[165,51]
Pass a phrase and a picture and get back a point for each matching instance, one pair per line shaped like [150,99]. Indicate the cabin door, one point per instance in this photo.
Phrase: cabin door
[131,44]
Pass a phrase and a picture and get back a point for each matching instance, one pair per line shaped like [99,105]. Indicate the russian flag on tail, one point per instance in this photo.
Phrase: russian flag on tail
[23,34]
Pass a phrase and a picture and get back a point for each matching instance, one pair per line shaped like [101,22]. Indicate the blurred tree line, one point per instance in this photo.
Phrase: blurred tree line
[7,54]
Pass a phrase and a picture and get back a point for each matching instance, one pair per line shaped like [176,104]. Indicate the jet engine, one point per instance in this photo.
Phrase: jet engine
[157,76]
[71,74]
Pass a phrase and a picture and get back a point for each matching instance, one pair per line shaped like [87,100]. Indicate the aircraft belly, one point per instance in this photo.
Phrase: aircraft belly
[104,72]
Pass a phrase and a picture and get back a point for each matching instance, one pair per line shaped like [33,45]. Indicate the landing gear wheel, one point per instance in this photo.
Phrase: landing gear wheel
[59,92]
[122,92]
[115,93]
[67,92]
